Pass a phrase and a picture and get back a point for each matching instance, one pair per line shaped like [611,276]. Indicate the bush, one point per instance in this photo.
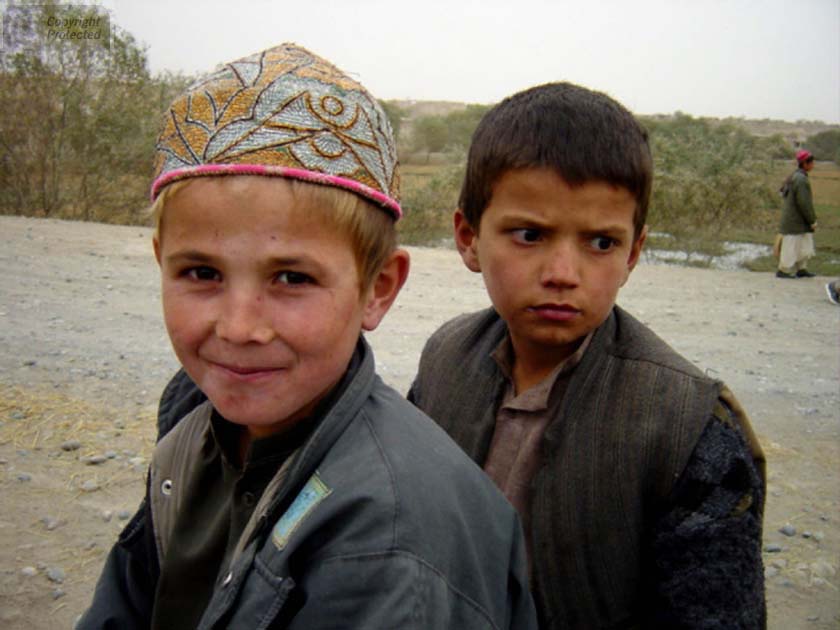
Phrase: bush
[78,118]
[450,134]
[428,208]
[825,145]
[709,179]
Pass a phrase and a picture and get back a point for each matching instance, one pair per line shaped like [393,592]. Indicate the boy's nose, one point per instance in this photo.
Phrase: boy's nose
[561,266]
[243,319]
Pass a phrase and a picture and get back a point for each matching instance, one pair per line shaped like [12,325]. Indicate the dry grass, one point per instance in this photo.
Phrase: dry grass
[825,181]
[51,418]
[34,423]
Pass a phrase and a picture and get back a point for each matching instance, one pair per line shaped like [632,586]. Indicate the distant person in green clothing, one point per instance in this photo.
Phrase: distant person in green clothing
[798,221]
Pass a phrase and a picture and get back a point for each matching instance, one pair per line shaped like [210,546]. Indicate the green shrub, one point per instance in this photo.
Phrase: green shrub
[709,180]
[825,145]
[429,206]
[78,118]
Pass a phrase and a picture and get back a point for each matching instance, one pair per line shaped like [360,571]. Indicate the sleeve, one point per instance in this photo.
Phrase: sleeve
[124,593]
[804,201]
[706,548]
[398,590]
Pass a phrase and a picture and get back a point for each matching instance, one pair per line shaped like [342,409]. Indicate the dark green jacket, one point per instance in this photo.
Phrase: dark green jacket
[798,213]
[619,444]
[378,521]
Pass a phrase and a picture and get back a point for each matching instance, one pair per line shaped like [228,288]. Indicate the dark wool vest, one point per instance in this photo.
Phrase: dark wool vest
[619,439]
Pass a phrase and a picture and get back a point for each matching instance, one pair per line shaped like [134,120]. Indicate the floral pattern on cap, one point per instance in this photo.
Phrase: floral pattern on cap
[282,112]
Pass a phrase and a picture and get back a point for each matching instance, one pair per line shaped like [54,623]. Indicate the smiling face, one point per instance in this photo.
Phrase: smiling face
[261,298]
[553,258]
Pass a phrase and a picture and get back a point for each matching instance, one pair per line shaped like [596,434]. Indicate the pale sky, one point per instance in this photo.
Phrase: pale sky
[744,58]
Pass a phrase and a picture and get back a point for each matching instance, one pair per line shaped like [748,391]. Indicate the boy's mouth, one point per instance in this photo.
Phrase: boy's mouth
[555,312]
[245,372]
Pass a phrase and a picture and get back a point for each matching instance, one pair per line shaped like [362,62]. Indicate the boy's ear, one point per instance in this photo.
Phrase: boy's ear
[385,288]
[156,245]
[466,241]
[635,252]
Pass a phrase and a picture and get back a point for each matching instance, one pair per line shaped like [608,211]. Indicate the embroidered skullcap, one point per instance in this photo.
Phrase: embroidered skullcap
[281,112]
[802,155]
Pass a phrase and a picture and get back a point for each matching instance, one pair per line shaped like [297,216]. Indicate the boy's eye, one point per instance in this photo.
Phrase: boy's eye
[293,278]
[526,235]
[202,273]
[602,243]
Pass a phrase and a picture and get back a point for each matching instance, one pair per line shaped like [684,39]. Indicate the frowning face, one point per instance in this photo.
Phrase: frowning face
[553,257]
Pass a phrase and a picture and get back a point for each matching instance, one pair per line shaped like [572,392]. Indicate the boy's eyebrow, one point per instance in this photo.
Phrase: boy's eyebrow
[191,255]
[616,228]
[197,256]
[524,218]
[290,261]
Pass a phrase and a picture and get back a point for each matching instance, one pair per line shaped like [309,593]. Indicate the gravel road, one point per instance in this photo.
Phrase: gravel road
[84,356]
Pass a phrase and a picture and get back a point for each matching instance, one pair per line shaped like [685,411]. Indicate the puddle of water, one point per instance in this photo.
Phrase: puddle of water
[734,258]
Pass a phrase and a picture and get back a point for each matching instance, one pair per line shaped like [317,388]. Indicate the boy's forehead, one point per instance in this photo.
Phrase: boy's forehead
[543,179]
[276,194]
[544,191]
[241,203]
[240,185]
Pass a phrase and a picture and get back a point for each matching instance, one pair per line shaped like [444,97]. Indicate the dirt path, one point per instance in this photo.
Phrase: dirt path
[83,358]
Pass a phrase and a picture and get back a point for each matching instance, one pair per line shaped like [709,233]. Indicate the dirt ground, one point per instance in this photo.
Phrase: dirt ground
[84,356]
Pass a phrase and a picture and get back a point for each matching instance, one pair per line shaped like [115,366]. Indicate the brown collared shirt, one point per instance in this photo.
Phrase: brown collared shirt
[521,420]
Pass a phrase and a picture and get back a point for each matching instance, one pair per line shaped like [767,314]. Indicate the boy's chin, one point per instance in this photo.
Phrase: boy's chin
[259,429]
[258,422]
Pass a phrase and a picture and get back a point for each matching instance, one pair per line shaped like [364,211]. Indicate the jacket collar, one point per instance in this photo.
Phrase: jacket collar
[344,403]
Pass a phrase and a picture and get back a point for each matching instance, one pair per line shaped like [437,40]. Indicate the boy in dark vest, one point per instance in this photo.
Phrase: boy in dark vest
[638,479]
[303,493]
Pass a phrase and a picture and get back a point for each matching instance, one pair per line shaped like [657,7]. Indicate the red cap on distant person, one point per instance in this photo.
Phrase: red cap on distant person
[803,155]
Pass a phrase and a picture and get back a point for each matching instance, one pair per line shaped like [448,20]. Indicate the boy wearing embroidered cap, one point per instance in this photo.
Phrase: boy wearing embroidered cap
[637,477]
[303,492]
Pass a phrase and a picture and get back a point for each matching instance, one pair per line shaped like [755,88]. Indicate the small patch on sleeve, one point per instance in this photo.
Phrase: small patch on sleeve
[305,502]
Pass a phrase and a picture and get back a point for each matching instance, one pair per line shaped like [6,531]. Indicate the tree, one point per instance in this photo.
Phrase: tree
[461,124]
[708,179]
[78,115]
[429,134]
[394,113]
[428,209]
[451,133]
[775,147]
[824,145]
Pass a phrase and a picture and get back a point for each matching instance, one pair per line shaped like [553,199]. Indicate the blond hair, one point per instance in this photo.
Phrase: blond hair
[371,230]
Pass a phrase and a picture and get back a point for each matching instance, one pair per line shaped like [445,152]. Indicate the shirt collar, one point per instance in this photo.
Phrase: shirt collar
[537,397]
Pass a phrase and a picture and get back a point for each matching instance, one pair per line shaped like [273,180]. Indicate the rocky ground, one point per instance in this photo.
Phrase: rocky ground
[83,358]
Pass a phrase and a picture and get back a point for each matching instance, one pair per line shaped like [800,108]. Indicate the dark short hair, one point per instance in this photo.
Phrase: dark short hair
[583,135]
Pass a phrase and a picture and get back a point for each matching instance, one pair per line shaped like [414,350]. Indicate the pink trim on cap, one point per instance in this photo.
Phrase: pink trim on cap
[204,170]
